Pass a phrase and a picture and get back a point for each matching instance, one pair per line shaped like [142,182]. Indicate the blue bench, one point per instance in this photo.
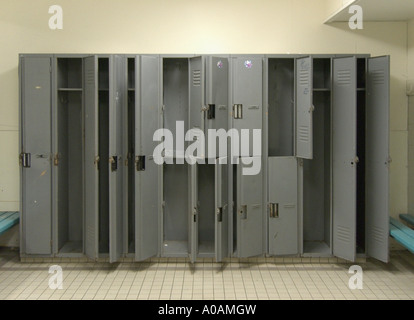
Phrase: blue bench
[403,234]
[7,220]
[407,218]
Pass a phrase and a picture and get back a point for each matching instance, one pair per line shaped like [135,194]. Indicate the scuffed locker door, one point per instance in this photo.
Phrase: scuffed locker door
[377,158]
[197,92]
[344,157]
[283,211]
[249,211]
[91,158]
[304,108]
[217,111]
[222,209]
[193,223]
[117,79]
[247,79]
[36,154]
[148,96]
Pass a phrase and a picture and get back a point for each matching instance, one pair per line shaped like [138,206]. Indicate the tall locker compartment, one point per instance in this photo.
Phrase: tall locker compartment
[36,154]
[68,150]
[105,78]
[175,174]
[282,167]
[146,173]
[313,149]
[247,103]
[208,183]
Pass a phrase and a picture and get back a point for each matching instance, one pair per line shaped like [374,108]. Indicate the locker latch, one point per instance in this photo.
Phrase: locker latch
[219,214]
[56,159]
[114,163]
[238,111]
[243,212]
[26,160]
[140,163]
[274,210]
[211,111]
[195,214]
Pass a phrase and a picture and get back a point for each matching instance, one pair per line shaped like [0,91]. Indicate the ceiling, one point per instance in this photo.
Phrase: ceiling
[377,10]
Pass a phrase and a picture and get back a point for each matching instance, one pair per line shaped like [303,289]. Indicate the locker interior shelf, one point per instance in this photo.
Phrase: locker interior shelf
[72,247]
[175,249]
[317,247]
[70,89]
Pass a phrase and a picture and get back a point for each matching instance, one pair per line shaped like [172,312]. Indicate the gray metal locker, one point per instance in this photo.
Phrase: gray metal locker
[283,211]
[194,213]
[148,107]
[36,156]
[247,96]
[377,158]
[344,157]
[304,108]
[249,213]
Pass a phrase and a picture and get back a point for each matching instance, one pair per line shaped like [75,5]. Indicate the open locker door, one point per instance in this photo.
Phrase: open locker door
[222,208]
[283,211]
[344,157]
[217,99]
[117,75]
[377,158]
[35,158]
[197,87]
[193,223]
[249,213]
[304,108]
[146,170]
[91,158]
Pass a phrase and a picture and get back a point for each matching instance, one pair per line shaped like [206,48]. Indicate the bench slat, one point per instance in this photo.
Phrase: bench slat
[402,238]
[407,218]
[399,225]
[9,220]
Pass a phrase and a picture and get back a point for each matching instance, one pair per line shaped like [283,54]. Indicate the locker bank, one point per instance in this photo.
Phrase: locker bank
[90,186]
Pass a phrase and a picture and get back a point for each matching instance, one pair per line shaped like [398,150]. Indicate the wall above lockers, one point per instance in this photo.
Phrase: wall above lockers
[188,26]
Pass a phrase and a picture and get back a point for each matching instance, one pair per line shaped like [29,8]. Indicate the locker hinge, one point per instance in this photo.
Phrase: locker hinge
[140,163]
[300,162]
[96,162]
[26,160]
[56,159]
[238,111]
[162,109]
[274,210]
[219,214]
[114,163]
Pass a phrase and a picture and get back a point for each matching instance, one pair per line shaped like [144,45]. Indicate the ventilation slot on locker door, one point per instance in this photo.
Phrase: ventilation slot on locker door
[304,133]
[196,78]
[304,78]
[344,77]
[344,234]
[378,77]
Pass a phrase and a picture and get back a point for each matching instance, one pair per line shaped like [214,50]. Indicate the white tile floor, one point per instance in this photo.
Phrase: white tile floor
[207,280]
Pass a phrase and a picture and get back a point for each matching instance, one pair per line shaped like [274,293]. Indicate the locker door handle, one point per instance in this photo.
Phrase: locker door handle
[274,210]
[140,163]
[219,214]
[26,160]
[355,161]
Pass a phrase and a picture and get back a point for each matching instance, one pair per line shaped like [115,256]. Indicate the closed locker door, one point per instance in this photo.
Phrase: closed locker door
[344,157]
[193,214]
[217,111]
[283,211]
[247,79]
[117,79]
[197,92]
[91,158]
[249,212]
[377,158]
[222,209]
[147,116]
[36,154]
[304,108]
